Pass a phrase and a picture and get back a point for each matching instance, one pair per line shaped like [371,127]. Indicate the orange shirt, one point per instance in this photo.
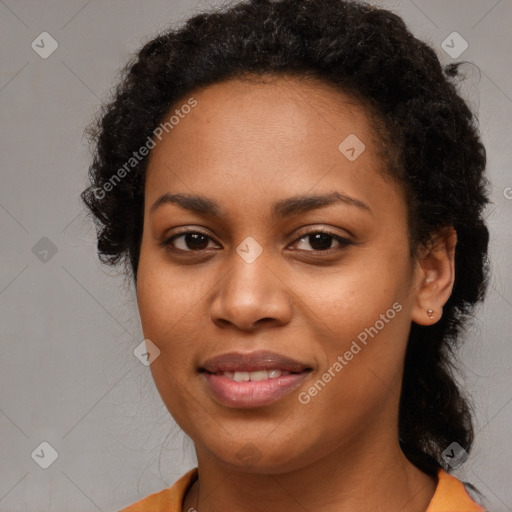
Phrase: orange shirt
[450,496]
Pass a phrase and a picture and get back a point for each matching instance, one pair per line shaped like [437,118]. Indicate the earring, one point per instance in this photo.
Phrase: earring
[430,313]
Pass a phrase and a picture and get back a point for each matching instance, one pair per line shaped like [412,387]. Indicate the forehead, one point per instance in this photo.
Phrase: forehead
[267,138]
[282,92]
[277,101]
[242,119]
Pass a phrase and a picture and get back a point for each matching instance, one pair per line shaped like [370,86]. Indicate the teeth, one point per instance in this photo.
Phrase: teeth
[259,375]
[254,376]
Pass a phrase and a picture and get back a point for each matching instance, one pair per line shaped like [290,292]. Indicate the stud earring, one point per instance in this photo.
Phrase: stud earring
[430,313]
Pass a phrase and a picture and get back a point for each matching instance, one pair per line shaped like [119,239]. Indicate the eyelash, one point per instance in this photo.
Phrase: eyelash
[343,241]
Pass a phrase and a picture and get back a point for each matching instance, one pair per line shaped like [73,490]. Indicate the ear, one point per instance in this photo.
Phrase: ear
[435,275]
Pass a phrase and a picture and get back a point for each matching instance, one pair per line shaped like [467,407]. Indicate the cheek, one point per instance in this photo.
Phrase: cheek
[164,296]
[359,385]
[352,296]
[164,302]
[362,316]
[169,302]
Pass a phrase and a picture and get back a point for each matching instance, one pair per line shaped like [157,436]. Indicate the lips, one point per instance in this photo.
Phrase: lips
[248,380]
[251,362]
[255,376]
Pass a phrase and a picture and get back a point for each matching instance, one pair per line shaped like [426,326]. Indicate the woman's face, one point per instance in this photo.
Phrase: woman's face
[272,165]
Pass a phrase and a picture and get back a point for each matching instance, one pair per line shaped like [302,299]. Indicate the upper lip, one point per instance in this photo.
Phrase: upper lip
[252,361]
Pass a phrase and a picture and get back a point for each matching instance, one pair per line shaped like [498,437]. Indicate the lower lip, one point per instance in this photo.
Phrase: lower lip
[251,394]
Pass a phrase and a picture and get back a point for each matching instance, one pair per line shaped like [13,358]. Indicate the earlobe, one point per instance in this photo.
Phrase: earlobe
[435,277]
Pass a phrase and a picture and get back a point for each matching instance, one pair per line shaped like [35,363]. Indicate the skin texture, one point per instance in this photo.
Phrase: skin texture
[245,146]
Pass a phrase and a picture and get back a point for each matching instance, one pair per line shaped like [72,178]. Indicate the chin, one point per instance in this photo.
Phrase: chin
[260,456]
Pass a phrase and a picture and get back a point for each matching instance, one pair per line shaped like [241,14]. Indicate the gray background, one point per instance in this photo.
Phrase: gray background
[69,325]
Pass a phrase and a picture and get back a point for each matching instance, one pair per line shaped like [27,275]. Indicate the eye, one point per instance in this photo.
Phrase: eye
[321,241]
[194,240]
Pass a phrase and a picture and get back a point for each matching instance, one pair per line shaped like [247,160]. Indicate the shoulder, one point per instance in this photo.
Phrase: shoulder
[451,495]
[168,500]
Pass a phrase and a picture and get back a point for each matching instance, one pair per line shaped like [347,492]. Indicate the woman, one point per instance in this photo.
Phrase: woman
[297,190]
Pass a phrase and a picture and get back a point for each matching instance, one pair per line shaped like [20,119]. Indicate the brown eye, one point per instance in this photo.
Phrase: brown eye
[322,240]
[195,241]
[189,241]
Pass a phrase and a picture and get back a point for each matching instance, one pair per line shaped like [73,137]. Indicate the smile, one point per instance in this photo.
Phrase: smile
[250,380]
[254,376]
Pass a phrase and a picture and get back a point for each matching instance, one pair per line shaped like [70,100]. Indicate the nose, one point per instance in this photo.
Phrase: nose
[252,294]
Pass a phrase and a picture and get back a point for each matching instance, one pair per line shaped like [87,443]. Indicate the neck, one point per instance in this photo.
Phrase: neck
[356,477]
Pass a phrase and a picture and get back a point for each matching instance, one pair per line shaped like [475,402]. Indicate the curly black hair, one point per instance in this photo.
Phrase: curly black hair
[428,133]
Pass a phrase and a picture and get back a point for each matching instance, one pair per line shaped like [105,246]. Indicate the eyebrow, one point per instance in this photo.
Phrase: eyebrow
[281,209]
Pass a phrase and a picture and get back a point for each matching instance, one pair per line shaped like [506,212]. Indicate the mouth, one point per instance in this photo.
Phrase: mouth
[254,376]
[249,380]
